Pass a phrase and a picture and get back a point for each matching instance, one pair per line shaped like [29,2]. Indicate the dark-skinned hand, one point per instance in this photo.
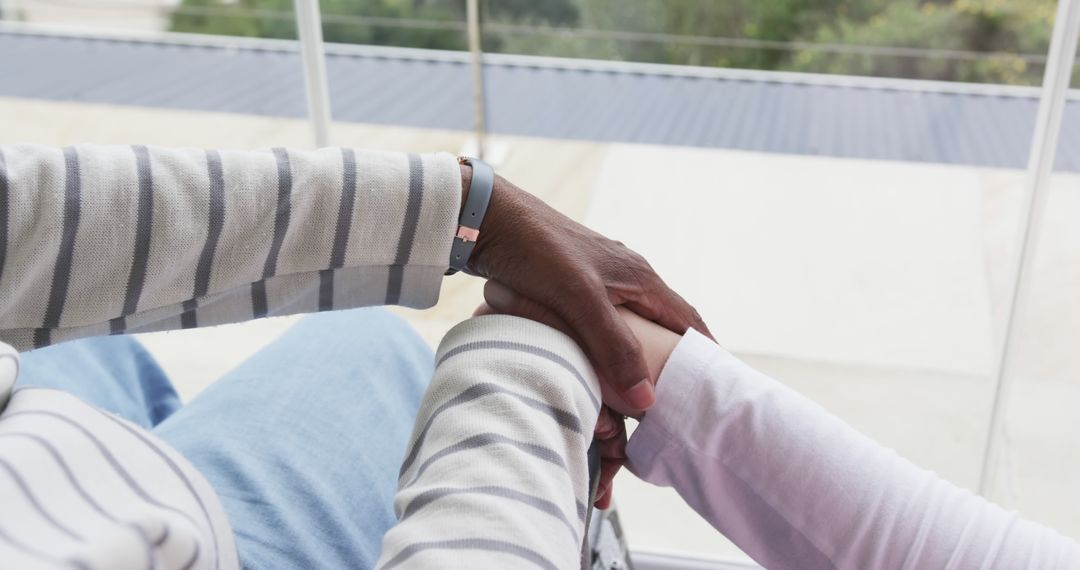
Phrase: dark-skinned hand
[581,277]
[558,267]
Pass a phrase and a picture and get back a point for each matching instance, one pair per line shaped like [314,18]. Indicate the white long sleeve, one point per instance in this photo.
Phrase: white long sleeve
[796,487]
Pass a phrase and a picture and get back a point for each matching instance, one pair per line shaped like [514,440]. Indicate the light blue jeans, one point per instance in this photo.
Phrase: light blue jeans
[302,442]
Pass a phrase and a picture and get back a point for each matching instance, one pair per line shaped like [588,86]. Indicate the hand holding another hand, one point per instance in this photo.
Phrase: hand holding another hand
[542,265]
[581,278]
[657,344]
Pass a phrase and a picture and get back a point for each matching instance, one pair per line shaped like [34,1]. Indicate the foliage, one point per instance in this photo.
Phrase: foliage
[344,19]
[1015,27]
[963,40]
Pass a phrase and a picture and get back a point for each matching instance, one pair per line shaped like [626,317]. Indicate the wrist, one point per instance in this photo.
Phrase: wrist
[659,344]
[498,212]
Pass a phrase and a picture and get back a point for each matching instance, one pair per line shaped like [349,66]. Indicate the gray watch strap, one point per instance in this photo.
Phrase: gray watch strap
[472,215]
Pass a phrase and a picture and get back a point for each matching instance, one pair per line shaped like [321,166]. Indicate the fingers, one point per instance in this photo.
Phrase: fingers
[612,440]
[604,490]
[614,447]
[609,467]
[669,310]
[611,435]
[596,326]
[696,322]
[504,300]
[653,299]
[607,424]
[603,497]
[615,352]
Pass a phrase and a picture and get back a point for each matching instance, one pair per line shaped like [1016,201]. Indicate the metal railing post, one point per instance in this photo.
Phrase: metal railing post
[1044,144]
[309,28]
[479,101]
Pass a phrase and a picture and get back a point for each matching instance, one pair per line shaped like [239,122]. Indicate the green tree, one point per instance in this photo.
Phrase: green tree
[780,26]
[1015,27]
[437,24]
[686,30]
[796,35]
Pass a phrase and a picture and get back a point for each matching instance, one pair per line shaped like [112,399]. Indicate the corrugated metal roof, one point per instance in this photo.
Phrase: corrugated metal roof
[759,111]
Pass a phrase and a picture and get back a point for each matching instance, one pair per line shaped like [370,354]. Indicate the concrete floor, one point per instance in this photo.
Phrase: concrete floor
[872,287]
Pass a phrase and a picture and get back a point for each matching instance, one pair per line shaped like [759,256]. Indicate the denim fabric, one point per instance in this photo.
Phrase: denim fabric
[302,442]
[114,373]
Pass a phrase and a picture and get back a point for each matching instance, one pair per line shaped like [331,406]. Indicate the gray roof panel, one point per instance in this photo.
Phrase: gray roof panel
[547,99]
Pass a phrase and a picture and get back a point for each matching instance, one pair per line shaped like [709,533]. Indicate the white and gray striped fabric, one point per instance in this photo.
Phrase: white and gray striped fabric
[497,472]
[84,489]
[104,240]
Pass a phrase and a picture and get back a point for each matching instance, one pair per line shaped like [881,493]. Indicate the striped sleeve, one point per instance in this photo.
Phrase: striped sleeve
[496,475]
[114,239]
